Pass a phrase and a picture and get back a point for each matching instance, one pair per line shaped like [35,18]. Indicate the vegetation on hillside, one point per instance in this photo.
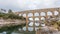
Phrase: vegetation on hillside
[11,15]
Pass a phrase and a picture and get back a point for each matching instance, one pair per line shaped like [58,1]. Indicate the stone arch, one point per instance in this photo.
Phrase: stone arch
[24,28]
[42,14]
[49,13]
[42,18]
[37,23]
[24,15]
[30,19]
[30,14]
[56,12]
[30,28]
[36,28]
[36,14]
[36,19]
[30,24]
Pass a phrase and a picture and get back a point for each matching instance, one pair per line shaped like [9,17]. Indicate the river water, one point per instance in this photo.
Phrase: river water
[17,30]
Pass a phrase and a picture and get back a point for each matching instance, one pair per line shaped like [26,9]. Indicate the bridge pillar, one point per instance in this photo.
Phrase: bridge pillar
[39,18]
[26,21]
[59,11]
[33,22]
[53,14]
[46,15]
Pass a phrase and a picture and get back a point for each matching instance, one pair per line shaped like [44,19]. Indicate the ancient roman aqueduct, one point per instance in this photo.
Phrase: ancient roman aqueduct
[37,15]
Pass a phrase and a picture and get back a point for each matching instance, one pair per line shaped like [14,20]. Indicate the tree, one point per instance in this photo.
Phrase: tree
[10,11]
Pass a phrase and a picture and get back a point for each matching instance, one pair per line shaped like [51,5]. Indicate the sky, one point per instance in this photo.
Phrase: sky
[19,5]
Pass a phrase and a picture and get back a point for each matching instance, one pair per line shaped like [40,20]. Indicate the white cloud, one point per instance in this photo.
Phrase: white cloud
[28,4]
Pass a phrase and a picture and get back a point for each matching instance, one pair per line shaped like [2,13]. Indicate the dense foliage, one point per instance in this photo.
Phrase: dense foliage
[11,28]
[11,16]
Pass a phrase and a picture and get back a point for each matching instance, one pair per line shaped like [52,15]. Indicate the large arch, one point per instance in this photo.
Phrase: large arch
[37,23]
[30,28]
[36,14]
[36,19]
[42,14]
[30,19]
[30,24]
[24,15]
[56,13]
[49,13]
[30,14]
[42,18]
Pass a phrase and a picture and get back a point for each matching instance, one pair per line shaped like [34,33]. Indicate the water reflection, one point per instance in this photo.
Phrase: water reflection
[30,28]
[30,23]
[37,24]
[4,32]
[36,28]
[24,28]
[17,31]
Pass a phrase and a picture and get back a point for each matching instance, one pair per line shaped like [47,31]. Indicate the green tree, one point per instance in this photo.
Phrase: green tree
[10,11]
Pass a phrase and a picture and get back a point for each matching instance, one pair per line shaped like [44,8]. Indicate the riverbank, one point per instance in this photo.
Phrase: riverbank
[11,22]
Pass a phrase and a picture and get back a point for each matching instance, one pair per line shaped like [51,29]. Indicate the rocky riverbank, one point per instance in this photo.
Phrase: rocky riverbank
[11,22]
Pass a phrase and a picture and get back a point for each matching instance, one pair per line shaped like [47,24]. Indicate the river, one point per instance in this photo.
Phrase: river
[16,30]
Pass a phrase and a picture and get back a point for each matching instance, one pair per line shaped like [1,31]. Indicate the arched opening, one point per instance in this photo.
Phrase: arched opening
[43,24]
[30,28]
[20,15]
[43,18]
[42,14]
[30,14]
[24,28]
[30,19]
[49,13]
[56,13]
[49,17]
[36,14]
[24,15]
[36,28]
[36,19]
[30,24]
[37,23]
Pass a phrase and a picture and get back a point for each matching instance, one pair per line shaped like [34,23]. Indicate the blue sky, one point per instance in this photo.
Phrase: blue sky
[19,5]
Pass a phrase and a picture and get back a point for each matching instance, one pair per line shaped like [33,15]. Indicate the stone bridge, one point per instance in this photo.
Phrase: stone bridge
[34,17]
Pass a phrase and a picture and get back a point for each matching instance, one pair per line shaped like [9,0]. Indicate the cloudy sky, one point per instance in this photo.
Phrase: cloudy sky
[28,4]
